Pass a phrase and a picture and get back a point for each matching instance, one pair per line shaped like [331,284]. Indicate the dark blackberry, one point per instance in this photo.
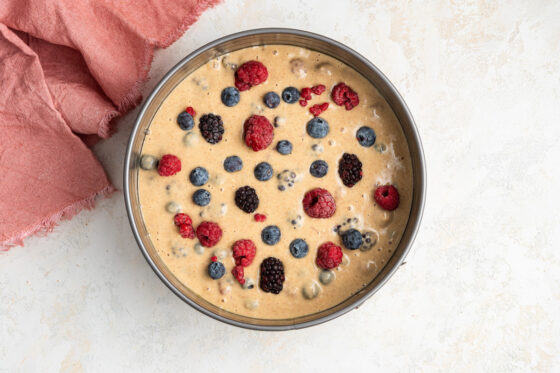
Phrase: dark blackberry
[211,127]
[272,275]
[350,169]
[246,199]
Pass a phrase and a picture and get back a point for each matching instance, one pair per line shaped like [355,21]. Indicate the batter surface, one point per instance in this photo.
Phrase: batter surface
[386,162]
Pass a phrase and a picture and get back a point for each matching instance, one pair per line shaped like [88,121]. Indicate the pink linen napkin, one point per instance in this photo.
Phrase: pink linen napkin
[67,68]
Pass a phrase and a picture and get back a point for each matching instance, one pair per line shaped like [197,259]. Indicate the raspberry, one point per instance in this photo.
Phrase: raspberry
[258,132]
[186,230]
[181,219]
[246,199]
[350,169]
[303,102]
[169,165]
[214,258]
[260,218]
[239,273]
[250,74]
[244,252]
[317,109]
[191,111]
[344,95]
[208,233]
[272,275]
[211,127]
[318,89]
[319,203]
[329,256]
[306,93]
[387,196]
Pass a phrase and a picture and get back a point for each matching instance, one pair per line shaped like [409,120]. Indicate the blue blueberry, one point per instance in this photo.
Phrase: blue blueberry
[352,239]
[271,235]
[185,121]
[233,164]
[317,128]
[299,248]
[201,197]
[319,168]
[230,96]
[216,270]
[366,136]
[290,95]
[263,171]
[284,147]
[271,100]
[198,176]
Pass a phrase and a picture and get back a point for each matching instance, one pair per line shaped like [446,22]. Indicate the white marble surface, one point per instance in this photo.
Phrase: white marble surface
[481,289]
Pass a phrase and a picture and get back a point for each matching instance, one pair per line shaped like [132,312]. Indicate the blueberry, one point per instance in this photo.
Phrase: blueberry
[271,100]
[233,164]
[317,128]
[271,235]
[201,197]
[366,136]
[284,147]
[263,171]
[299,248]
[352,239]
[319,168]
[185,121]
[230,96]
[198,176]
[216,270]
[290,95]
[148,162]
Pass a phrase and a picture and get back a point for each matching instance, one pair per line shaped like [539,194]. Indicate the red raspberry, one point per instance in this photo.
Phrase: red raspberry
[250,74]
[319,203]
[303,102]
[306,93]
[208,233]
[214,258]
[244,252]
[186,231]
[181,219]
[258,132]
[344,95]
[318,89]
[169,165]
[239,273]
[329,256]
[191,111]
[324,106]
[260,218]
[387,196]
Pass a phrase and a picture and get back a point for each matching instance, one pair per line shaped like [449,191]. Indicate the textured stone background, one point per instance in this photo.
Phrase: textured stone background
[481,289]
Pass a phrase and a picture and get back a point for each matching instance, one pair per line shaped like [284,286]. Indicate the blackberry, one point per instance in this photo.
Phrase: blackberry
[272,275]
[246,199]
[319,168]
[212,128]
[352,239]
[350,169]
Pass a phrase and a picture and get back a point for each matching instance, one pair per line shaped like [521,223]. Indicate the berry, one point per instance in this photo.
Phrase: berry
[233,164]
[263,171]
[185,121]
[271,100]
[239,273]
[214,258]
[148,162]
[319,203]
[191,111]
[244,252]
[344,95]
[186,231]
[306,93]
[212,128]
[352,239]
[317,128]
[318,89]
[284,147]
[246,199]
[272,275]
[260,218]
[201,197]
[250,74]
[316,110]
[319,168]
[290,95]
[230,96]
[208,233]
[198,176]
[303,102]
[169,165]
[387,196]
[366,136]
[299,248]
[216,270]
[350,169]
[258,132]
[271,235]
[181,219]
[329,256]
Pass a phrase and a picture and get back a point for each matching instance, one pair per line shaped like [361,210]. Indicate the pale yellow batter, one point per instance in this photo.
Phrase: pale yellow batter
[388,161]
